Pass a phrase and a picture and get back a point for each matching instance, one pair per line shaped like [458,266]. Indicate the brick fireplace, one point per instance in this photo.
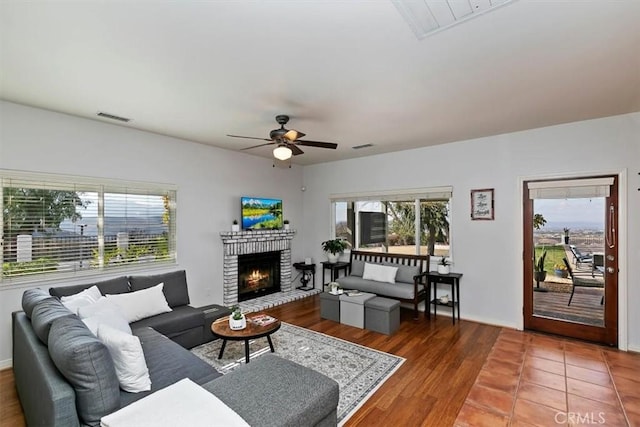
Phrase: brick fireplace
[237,243]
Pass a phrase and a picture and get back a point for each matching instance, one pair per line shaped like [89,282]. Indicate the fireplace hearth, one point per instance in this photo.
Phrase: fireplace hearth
[258,275]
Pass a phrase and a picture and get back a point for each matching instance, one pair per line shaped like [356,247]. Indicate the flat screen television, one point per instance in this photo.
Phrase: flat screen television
[259,213]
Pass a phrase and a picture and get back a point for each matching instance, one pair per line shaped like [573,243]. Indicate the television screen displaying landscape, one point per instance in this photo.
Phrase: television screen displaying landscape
[259,213]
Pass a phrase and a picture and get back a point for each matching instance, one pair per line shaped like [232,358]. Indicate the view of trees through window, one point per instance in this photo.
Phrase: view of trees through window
[390,226]
[56,230]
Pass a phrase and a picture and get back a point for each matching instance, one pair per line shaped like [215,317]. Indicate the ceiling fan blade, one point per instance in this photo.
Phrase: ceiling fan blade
[320,144]
[295,150]
[249,137]
[256,146]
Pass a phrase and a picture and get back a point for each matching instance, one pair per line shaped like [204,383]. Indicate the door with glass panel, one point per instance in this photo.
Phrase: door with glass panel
[571,257]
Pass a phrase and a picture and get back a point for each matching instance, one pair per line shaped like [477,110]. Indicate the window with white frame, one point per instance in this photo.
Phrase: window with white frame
[56,225]
[415,221]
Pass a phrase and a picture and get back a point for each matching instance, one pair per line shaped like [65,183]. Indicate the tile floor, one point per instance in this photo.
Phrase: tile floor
[538,380]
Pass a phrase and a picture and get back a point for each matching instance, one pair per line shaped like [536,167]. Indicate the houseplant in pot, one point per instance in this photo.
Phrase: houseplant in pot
[235,226]
[237,320]
[443,266]
[334,248]
[286,224]
[539,273]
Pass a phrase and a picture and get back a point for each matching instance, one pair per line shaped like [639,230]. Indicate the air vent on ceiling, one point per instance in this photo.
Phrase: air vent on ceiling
[357,147]
[427,17]
[113,117]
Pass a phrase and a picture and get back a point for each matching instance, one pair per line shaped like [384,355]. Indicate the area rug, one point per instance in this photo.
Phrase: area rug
[358,370]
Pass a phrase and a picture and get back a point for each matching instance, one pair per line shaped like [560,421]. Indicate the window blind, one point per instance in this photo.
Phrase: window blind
[59,225]
[570,189]
[432,193]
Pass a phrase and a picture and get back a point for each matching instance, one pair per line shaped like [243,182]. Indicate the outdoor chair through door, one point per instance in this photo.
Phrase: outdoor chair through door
[585,281]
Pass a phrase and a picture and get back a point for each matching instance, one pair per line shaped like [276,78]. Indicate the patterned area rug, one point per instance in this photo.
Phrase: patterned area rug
[359,370]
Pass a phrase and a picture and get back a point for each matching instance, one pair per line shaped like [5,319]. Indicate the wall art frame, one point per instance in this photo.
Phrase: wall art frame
[482,204]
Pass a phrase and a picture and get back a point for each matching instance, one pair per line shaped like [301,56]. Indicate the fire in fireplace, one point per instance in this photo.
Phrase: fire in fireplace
[258,275]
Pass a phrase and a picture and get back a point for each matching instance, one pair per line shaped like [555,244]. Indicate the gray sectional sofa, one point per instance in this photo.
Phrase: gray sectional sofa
[409,283]
[65,376]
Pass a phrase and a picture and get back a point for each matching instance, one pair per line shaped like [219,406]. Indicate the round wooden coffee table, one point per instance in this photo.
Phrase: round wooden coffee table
[221,329]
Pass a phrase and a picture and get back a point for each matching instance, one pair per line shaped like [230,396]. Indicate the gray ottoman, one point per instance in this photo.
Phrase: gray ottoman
[352,309]
[330,306]
[382,315]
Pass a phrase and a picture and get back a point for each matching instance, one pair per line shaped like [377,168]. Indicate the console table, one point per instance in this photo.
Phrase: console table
[334,268]
[452,279]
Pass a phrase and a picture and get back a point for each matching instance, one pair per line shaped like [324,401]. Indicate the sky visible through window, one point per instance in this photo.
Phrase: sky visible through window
[572,213]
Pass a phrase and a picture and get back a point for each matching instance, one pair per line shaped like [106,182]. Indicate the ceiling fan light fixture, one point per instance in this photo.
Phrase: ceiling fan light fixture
[293,134]
[282,152]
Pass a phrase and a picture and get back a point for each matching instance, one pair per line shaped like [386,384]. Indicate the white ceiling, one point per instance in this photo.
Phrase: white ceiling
[350,72]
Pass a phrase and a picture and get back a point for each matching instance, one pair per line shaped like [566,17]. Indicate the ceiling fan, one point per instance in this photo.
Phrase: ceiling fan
[286,140]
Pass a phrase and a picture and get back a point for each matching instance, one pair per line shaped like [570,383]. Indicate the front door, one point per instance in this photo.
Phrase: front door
[573,220]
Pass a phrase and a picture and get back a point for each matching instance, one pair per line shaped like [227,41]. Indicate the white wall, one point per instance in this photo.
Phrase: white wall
[210,182]
[489,253]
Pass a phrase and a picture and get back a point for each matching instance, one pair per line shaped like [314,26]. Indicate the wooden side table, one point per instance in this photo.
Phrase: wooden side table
[451,279]
[334,269]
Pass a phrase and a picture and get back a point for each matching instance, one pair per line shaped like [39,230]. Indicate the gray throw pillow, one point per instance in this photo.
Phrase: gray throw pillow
[357,268]
[43,315]
[175,286]
[405,272]
[86,363]
[31,297]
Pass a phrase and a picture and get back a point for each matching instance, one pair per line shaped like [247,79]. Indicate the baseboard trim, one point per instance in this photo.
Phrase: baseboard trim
[6,364]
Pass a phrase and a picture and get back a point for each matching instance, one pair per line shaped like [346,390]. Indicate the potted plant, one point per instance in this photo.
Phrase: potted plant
[237,320]
[560,270]
[334,248]
[539,273]
[286,224]
[566,236]
[235,226]
[443,266]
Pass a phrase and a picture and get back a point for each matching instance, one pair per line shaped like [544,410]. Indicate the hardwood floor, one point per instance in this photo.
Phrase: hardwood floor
[443,363]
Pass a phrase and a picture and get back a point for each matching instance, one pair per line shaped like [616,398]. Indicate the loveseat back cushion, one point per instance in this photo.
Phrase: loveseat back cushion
[86,363]
[357,267]
[175,286]
[118,285]
[44,314]
[31,297]
[405,272]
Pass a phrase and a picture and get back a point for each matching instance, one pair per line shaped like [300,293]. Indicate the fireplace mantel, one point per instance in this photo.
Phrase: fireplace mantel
[249,242]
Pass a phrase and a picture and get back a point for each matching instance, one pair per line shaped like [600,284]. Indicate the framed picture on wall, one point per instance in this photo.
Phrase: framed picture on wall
[482,204]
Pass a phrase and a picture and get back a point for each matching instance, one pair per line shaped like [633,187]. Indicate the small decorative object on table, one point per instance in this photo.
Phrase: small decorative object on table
[262,319]
[444,299]
[334,288]
[443,266]
[286,224]
[237,320]
[235,226]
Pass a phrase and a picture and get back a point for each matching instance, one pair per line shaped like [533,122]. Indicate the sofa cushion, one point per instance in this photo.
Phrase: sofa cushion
[106,312]
[380,273]
[357,267]
[86,363]
[81,299]
[397,290]
[405,272]
[168,363]
[175,286]
[140,304]
[31,297]
[128,358]
[111,286]
[178,320]
[43,315]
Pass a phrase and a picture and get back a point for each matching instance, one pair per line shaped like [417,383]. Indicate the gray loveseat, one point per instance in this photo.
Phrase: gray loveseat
[410,278]
[65,376]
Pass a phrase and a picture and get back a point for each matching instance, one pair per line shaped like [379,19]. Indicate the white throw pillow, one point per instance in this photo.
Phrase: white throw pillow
[128,359]
[379,273]
[141,304]
[81,299]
